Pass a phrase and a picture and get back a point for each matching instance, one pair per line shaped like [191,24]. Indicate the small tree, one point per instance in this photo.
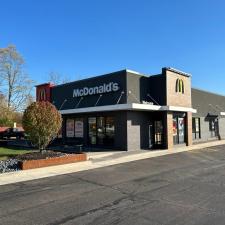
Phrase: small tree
[41,121]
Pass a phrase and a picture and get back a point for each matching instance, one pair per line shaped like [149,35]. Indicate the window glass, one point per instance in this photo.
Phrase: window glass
[179,128]
[193,125]
[79,128]
[101,129]
[213,127]
[196,128]
[158,132]
[70,128]
[110,131]
[175,133]
[174,126]
[110,127]
[92,131]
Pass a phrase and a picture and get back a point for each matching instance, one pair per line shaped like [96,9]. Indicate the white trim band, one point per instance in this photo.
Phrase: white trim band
[130,106]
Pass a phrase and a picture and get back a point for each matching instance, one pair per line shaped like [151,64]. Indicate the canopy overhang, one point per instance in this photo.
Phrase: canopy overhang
[129,106]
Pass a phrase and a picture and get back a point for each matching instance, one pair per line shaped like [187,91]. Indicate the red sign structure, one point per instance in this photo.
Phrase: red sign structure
[43,92]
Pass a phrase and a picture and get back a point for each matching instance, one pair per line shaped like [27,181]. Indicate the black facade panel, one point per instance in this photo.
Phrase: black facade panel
[62,95]
[137,88]
[150,89]
[157,85]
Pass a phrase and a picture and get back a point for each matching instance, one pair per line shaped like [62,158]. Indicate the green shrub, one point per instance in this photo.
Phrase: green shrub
[41,122]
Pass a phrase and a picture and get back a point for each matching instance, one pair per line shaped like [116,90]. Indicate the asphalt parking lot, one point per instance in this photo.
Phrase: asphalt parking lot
[184,188]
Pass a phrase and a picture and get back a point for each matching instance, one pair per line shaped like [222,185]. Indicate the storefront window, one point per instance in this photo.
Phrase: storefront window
[179,128]
[70,128]
[79,128]
[92,130]
[110,130]
[196,134]
[158,132]
[175,133]
[75,128]
[213,127]
[101,131]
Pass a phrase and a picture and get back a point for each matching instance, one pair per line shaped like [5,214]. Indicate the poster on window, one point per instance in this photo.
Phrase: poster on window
[181,126]
[197,125]
[79,128]
[174,127]
[70,128]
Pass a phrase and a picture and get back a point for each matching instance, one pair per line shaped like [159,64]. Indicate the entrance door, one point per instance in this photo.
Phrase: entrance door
[179,129]
[92,131]
[100,130]
[158,133]
[150,136]
[214,127]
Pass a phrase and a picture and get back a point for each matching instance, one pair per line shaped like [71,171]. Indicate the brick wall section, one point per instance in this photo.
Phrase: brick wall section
[189,128]
[175,98]
[169,130]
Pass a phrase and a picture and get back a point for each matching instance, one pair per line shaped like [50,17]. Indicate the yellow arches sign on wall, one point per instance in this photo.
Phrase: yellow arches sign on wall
[180,86]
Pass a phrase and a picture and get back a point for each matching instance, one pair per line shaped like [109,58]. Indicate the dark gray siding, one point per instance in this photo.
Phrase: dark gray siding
[142,88]
[222,127]
[157,86]
[120,130]
[65,91]
[137,130]
[137,88]
[208,105]
[201,101]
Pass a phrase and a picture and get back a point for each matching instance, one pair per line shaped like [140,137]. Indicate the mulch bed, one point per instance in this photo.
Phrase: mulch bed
[39,155]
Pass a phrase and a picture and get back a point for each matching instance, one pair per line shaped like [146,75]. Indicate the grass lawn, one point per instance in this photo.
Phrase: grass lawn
[6,153]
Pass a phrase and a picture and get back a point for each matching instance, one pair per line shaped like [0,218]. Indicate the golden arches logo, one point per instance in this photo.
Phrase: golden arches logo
[180,86]
[42,95]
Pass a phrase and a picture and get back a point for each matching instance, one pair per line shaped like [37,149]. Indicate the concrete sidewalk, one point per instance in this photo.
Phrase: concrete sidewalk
[95,160]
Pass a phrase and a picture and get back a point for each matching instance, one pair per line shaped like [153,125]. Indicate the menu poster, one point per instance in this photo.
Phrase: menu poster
[70,128]
[79,128]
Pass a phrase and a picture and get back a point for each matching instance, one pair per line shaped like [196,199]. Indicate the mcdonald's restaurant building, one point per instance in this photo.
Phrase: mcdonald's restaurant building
[126,110]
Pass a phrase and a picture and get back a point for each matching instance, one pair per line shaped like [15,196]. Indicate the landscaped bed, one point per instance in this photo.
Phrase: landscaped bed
[30,159]
[49,158]
[8,162]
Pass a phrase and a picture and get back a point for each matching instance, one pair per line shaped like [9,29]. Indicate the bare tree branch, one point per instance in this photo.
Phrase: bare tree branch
[57,78]
[15,84]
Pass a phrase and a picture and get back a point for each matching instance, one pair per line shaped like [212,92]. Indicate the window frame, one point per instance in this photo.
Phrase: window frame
[196,134]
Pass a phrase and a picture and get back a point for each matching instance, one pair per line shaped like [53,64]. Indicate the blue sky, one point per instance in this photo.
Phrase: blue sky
[82,38]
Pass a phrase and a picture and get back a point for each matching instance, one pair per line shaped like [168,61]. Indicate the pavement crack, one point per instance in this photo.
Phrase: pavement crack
[101,208]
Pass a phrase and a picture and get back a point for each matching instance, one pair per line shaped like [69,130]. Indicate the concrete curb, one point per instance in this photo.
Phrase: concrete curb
[21,176]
